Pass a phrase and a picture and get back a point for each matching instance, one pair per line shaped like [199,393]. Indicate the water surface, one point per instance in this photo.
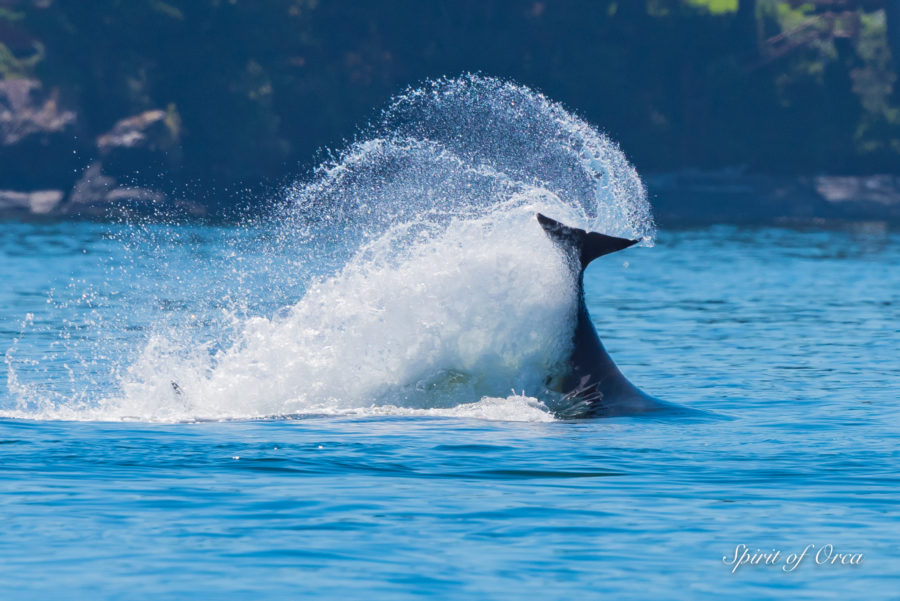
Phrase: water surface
[786,338]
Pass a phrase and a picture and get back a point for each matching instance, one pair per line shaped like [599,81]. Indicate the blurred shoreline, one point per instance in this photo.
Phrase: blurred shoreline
[132,171]
[679,198]
[695,197]
[208,109]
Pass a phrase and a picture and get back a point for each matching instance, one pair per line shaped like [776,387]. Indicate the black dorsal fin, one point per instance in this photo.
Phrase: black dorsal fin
[587,245]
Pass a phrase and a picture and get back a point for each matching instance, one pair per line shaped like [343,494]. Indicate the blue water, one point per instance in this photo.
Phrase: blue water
[786,339]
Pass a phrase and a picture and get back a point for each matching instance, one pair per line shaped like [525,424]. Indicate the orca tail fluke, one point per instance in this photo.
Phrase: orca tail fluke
[587,245]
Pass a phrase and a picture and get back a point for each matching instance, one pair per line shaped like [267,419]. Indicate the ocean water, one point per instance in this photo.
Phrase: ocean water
[345,395]
[786,337]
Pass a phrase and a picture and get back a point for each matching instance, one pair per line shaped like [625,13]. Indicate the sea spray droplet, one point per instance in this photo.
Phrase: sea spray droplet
[407,275]
[531,140]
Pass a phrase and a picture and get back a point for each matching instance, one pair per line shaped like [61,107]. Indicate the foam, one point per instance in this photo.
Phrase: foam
[421,282]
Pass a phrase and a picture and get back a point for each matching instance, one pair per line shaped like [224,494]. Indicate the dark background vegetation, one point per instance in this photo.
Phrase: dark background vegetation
[248,90]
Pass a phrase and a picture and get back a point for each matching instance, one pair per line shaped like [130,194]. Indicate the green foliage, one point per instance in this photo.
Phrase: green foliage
[12,66]
[10,16]
[254,87]
[9,65]
[716,7]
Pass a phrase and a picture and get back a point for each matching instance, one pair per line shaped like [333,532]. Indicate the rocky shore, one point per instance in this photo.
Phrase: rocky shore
[732,196]
[52,169]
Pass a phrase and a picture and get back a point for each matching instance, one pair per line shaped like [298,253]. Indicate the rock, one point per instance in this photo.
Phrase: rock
[134,200]
[24,112]
[99,195]
[44,202]
[142,147]
[40,202]
[873,189]
[90,190]
[147,130]
[731,196]
[38,146]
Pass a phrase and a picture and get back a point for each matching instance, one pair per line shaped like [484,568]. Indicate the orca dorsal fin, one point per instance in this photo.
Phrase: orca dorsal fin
[587,245]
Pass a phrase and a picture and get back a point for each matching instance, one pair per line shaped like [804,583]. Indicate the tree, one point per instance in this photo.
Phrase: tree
[892,15]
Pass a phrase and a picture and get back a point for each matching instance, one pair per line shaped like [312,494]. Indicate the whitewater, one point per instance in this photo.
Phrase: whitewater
[405,275]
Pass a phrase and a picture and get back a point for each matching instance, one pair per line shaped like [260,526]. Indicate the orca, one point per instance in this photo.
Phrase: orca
[591,382]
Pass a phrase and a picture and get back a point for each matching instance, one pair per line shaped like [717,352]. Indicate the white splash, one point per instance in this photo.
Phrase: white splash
[428,288]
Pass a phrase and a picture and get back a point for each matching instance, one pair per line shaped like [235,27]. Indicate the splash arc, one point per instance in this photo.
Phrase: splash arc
[591,379]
